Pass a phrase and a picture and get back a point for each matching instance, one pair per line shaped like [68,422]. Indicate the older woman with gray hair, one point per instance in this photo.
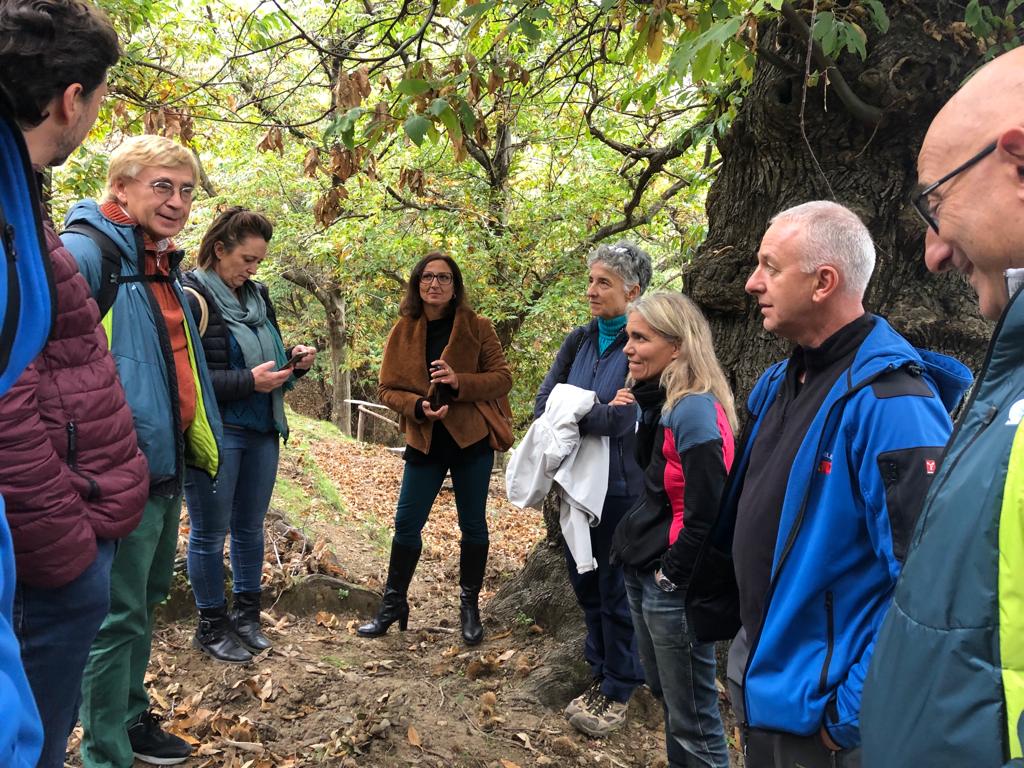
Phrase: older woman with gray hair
[591,357]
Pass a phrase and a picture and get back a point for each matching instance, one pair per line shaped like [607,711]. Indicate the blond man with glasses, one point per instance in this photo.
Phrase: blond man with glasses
[125,250]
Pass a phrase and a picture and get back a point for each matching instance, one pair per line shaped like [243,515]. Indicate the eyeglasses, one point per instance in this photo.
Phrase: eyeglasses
[443,278]
[165,190]
[920,200]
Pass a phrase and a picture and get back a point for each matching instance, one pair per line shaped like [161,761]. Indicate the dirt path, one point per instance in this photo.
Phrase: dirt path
[323,696]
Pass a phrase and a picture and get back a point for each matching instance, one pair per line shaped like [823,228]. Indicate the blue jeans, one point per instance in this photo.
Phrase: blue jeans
[681,673]
[237,501]
[55,628]
[610,647]
[471,480]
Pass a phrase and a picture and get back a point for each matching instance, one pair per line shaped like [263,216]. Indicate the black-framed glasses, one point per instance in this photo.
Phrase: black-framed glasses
[443,278]
[165,190]
[920,200]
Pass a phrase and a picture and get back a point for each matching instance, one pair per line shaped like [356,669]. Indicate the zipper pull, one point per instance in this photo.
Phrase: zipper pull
[72,458]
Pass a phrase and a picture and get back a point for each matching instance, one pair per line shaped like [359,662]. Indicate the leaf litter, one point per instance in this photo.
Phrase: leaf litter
[323,696]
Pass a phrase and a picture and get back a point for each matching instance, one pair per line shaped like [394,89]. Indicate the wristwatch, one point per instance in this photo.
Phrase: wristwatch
[663,582]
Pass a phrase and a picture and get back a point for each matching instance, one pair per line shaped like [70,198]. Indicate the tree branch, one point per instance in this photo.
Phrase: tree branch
[859,109]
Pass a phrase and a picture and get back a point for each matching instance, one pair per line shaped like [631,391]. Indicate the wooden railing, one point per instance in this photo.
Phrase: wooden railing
[366,408]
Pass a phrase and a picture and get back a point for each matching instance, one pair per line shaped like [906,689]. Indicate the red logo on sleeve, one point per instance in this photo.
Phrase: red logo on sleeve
[825,467]
[929,466]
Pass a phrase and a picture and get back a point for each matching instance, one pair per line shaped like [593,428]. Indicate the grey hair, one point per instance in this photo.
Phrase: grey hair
[833,235]
[628,261]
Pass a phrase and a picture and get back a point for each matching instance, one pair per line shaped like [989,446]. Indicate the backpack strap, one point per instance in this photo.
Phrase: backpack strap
[582,336]
[110,270]
[204,310]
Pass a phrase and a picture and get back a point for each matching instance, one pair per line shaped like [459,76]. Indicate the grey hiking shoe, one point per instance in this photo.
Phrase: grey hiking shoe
[581,702]
[601,717]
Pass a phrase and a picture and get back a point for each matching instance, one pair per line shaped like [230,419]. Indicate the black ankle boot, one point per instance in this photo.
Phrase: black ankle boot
[245,617]
[215,638]
[394,607]
[472,564]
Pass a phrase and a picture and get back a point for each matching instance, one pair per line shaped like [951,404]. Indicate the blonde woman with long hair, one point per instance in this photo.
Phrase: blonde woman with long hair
[685,446]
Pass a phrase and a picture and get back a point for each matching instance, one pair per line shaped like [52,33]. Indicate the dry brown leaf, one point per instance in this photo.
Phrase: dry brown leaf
[246,746]
[414,737]
[311,163]
[154,694]
[508,764]
[327,619]
[272,140]
[267,692]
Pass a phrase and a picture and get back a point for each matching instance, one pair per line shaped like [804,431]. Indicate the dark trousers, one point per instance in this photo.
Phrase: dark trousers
[774,749]
[55,629]
[611,644]
[471,480]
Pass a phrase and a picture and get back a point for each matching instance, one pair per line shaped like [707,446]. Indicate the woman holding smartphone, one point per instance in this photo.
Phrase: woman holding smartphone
[250,369]
[441,358]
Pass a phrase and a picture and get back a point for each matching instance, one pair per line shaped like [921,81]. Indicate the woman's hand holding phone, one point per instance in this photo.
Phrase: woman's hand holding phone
[267,379]
[302,358]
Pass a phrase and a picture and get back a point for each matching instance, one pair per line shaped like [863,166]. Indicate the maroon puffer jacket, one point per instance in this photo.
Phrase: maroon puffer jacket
[70,468]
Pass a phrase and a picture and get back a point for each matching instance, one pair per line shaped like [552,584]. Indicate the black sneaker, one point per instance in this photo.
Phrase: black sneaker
[151,744]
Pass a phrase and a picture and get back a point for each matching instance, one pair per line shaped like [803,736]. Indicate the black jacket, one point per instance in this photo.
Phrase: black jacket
[228,384]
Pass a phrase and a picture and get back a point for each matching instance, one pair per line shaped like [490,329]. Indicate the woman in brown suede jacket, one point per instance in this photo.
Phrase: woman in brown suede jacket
[441,358]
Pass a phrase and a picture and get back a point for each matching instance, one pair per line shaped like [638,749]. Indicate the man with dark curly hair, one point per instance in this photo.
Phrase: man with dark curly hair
[71,473]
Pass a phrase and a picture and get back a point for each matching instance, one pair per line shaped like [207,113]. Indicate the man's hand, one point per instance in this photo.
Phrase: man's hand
[623,397]
[431,414]
[827,741]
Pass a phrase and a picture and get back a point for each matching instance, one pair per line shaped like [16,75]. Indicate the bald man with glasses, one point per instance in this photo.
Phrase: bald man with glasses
[946,685]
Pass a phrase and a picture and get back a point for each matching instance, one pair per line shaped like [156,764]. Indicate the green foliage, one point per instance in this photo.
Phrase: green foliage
[513,134]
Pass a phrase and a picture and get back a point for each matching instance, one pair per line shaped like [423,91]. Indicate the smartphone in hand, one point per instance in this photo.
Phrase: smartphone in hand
[294,359]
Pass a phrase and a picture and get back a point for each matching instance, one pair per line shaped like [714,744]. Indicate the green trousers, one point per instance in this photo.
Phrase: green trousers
[113,691]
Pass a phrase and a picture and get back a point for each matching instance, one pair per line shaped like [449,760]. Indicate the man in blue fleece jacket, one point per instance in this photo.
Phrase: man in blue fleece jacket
[842,441]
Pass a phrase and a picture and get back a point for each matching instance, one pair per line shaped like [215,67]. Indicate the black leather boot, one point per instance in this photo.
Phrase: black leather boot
[245,616]
[472,564]
[215,637]
[394,607]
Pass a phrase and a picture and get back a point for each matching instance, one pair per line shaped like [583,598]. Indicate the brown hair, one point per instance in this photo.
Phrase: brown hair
[412,304]
[47,45]
[232,226]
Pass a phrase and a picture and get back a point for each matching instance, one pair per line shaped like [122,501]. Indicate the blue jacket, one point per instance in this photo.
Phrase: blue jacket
[137,337]
[946,687]
[26,315]
[579,363]
[851,492]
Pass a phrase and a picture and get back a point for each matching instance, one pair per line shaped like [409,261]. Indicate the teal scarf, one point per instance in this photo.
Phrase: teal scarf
[607,330]
[246,317]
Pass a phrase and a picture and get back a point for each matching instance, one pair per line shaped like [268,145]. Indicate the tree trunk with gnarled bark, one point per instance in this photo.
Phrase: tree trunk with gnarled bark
[768,166]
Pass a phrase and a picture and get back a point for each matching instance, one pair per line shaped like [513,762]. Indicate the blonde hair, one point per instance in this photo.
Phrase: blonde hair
[696,370]
[138,152]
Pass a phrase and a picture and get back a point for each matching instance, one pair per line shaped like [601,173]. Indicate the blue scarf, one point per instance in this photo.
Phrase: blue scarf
[607,330]
[247,320]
